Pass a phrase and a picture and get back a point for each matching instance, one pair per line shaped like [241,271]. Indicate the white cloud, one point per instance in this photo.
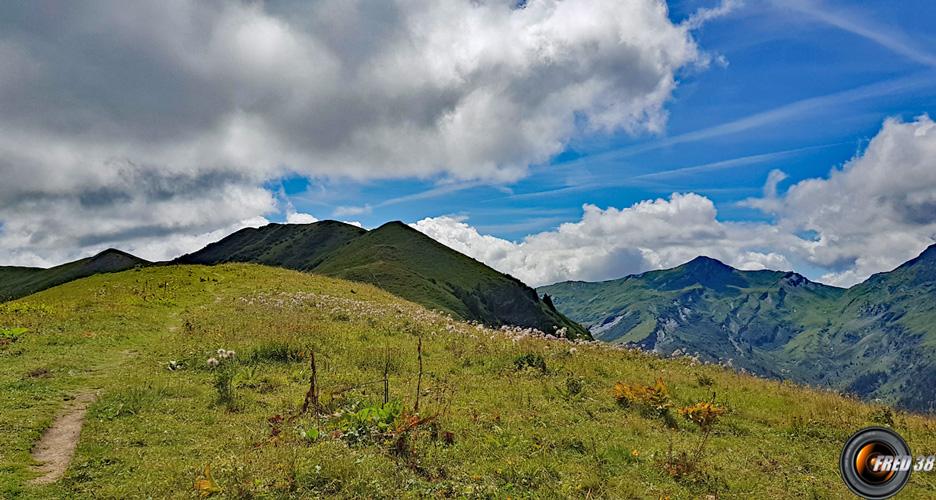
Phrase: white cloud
[293,217]
[344,211]
[846,20]
[245,92]
[610,243]
[704,15]
[871,215]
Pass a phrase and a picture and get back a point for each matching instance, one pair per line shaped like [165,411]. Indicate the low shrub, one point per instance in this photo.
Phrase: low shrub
[703,414]
[652,401]
[883,416]
[574,386]
[530,361]
[369,422]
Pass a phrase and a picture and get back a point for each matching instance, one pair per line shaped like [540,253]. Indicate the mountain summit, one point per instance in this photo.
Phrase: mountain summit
[398,259]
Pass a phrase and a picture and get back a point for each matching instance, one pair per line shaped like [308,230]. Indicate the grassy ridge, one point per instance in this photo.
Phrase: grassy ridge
[18,282]
[399,259]
[503,425]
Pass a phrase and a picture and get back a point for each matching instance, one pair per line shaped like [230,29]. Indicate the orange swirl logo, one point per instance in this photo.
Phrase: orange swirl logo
[875,463]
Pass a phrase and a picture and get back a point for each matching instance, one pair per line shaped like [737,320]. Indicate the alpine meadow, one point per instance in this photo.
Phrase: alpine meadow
[479,249]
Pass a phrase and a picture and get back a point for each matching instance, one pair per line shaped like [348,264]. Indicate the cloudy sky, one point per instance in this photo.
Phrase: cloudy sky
[552,139]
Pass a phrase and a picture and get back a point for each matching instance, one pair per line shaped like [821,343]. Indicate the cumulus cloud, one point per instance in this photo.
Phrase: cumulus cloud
[872,214]
[293,217]
[610,243]
[116,119]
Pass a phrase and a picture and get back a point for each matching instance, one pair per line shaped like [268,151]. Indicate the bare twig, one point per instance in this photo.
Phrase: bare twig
[386,378]
[418,379]
[312,396]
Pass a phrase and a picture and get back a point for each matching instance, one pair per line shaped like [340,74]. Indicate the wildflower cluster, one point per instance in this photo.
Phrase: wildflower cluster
[223,354]
[654,398]
[702,414]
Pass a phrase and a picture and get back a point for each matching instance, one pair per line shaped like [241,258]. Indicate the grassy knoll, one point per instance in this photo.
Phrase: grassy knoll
[500,414]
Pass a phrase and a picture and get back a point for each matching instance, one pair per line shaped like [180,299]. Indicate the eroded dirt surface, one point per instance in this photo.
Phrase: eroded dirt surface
[57,447]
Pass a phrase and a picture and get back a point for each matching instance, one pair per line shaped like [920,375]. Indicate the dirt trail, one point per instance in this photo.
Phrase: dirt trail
[57,446]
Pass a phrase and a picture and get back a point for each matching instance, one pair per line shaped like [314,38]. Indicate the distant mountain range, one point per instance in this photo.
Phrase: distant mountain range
[394,257]
[875,340]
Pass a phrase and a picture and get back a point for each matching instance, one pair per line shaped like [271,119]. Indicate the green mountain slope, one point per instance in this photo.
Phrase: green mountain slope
[18,282]
[294,246]
[487,426]
[876,340]
[398,259]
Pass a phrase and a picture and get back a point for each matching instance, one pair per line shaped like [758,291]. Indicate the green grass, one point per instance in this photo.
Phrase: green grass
[398,259]
[497,426]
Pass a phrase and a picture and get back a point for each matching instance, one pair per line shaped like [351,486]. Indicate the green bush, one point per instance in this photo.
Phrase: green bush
[369,422]
[530,361]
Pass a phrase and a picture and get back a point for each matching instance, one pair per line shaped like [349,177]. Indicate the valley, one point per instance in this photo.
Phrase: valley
[875,340]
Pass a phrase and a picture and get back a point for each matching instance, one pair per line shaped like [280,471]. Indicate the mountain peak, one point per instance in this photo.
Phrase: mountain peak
[705,271]
[394,224]
[703,266]
[113,259]
[113,252]
[705,261]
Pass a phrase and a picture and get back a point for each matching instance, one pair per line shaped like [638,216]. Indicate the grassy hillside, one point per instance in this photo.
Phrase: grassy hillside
[501,414]
[18,282]
[409,264]
[876,340]
[398,259]
[293,246]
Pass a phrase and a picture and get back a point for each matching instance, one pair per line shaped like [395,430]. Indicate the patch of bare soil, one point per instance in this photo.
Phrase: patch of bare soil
[57,447]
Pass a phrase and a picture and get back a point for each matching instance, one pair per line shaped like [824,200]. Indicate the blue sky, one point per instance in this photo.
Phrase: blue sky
[829,87]
[560,139]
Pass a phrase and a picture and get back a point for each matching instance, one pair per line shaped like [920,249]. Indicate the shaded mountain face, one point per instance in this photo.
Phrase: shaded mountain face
[875,340]
[294,246]
[16,282]
[398,259]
